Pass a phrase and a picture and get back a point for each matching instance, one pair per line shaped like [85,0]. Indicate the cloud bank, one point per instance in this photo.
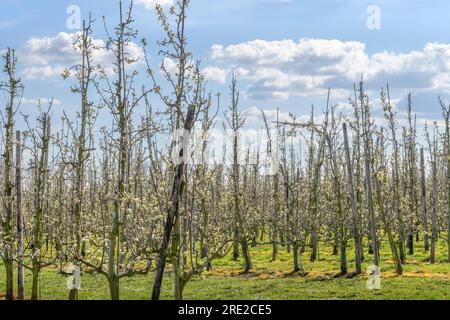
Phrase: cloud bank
[47,57]
[285,68]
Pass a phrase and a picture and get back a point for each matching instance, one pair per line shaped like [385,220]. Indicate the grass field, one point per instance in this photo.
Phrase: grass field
[272,280]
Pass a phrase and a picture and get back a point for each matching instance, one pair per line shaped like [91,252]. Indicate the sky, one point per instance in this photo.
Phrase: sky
[285,53]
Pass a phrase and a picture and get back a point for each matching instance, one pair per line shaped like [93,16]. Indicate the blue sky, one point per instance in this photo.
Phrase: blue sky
[260,40]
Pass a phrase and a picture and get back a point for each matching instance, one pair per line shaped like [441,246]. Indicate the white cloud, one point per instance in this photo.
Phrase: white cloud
[150,4]
[281,69]
[170,66]
[216,74]
[43,72]
[47,57]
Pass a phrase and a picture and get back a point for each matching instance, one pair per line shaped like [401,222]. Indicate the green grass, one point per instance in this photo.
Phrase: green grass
[272,280]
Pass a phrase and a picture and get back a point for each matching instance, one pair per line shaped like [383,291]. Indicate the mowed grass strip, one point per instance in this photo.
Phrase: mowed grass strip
[272,280]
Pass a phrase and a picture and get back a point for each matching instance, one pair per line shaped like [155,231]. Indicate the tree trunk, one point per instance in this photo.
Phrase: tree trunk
[77,203]
[39,202]
[11,88]
[246,255]
[373,228]
[235,256]
[73,294]
[335,247]
[314,244]
[9,280]
[275,217]
[343,264]
[113,251]
[20,279]
[113,282]
[424,200]
[434,214]
[177,185]
[35,281]
[351,191]
[298,267]
[410,243]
